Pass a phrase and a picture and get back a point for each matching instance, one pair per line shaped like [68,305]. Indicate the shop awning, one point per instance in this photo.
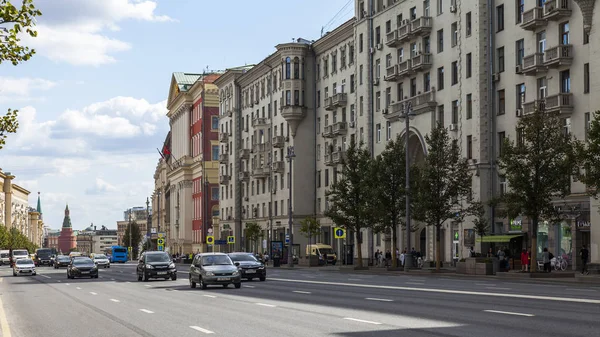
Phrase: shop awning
[498,238]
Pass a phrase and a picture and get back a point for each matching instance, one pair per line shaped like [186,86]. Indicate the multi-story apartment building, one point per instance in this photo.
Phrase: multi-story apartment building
[92,240]
[187,177]
[122,227]
[474,67]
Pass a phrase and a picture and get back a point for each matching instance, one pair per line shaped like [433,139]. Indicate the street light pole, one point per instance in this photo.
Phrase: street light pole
[408,258]
[130,236]
[290,156]
[148,229]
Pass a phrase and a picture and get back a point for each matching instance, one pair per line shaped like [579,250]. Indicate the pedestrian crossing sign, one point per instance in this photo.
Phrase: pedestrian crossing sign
[231,239]
[210,240]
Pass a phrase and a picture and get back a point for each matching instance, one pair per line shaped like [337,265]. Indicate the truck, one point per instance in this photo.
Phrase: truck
[43,256]
[4,257]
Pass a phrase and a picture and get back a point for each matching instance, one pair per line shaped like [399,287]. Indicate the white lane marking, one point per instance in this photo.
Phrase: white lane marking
[147,285]
[266,305]
[361,320]
[127,282]
[211,296]
[417,283]
[112,279]
[67,284]
[46,276]
[354,279]
[496,288]
[485,284]
[116,301]
[249,287]
[78,288]
[444,291]
[59,281]
[416,280]
[509,313]
[379,299]
[93,293]
[147,311]
[101,276]
[120,271]
[197,328]
[575,289]
[301,292]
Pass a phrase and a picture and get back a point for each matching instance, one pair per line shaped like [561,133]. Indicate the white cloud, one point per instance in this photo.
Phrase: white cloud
[21,89]
[73,31]
[100,187]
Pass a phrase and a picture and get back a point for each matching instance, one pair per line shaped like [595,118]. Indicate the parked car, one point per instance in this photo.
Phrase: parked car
[82,267]
[214,268]
[156,265]
[24,266]
[249,266]
[61,261]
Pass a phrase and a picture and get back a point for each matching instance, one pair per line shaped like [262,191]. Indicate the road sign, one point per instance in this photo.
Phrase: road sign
[160,242]
[287,238]
[339,233]
[220,242]
[129,249]
[210,230]
[210,240]
[161,235]
[231,239]
[160,248]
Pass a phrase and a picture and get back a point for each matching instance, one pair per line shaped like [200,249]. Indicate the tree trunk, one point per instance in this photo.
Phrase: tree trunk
[438,260]
[534,228]
[394,245]
[359,248]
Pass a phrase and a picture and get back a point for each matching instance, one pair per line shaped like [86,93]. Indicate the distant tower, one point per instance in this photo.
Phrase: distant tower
[67,219]
[39,206]
[66,240]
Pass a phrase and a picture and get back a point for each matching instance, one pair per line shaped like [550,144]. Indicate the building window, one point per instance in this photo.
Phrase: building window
[352,83]
[296,97]
[565,81]
[454,72]
[586,78]
[296,68]
[378,133]
[588,124]
[468,24]
[388,128]
[319,178]
[455,112]
[215,152]
[288,97]
[440,78]
[360,105]
[501,138]
[350,54]
[500,52]
[360,43]
[214,193]
[501,102]
[426,82]
[500,18]
[564,33]
[215,122]
[454,29]
[520,51]
[440,115]
[567,126]
[469,147]
[378,101]
[469,65]
[469,106]
[288,66]
[440,39]
[520,95]
[326,177]
[360,74]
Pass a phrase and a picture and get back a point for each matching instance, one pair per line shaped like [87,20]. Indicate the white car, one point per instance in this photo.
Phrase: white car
[101,261]
[24,267]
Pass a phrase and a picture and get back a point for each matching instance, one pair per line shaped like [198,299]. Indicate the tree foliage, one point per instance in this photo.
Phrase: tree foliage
[253,233]
[538,167]
[13,22]
[588,154]
[350,197]
[14,239]
[310,227]
[444,184]
[481,224]
[135,238]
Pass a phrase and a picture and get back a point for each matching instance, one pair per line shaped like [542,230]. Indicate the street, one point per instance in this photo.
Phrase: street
[292,303]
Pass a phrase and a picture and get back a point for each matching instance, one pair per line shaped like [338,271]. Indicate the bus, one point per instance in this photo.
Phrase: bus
[118,254]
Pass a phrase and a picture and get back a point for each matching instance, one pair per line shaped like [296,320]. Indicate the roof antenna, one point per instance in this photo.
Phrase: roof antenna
[322,28]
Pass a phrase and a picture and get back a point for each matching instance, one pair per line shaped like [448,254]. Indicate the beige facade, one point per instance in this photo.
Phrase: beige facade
[122,226]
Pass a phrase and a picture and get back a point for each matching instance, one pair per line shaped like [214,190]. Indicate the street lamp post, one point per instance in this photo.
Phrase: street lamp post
[148,229]
[130,236]
[408,113]
[290,156]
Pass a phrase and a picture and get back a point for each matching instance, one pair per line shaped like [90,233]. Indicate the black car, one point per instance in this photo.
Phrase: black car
[82,267]
[61,261]
[156,265]
[249,266]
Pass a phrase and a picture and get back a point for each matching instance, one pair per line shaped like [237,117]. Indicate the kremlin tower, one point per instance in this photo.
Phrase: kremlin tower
[66,240]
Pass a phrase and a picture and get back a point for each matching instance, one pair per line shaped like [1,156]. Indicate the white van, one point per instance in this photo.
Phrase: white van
[4,257]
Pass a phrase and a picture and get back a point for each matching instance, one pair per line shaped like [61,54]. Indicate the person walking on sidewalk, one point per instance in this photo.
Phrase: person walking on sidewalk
[585,254]
[524,261]
[546,259]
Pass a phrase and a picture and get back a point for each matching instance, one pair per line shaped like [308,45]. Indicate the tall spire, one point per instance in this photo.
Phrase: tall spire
[39,205]
[67,219]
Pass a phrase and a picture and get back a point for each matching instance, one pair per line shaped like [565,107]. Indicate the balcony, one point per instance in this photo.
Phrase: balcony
[244,154]
[563,103]
[263,147]
[334,158]
[404,68]
[337,100]
[533,19]
[421,62]
[421,26]
[530,107]
[533,64]
[392,39]
[557,9]
[404,31]
[223,137]
[278,142]
[224,180]
[244,176]
[279,166]
[293,114]
[422,103]
[224,158]
[335,129]
[558,56]
[391,73]
[260,122]
[261,172]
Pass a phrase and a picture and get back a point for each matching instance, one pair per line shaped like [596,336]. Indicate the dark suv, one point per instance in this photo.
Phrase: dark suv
[82,267]
[249,266]
[156,265]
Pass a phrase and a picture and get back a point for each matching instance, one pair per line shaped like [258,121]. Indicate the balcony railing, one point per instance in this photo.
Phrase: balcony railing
[244,154]
[421,26]
[223,137]
[533,19]
[261,147]
[422,61]
[224,180]
[404,31]
[335,129]
[404,68]
[244,175]
[392,38]
[261,172]
[223,158]
[334,158]
[422,103]
[279,166]
[532,64]
[559,55]
[530,107]
[563,103]
[278,142]
[557,9]
[260,122]
[391,73]
[337,100]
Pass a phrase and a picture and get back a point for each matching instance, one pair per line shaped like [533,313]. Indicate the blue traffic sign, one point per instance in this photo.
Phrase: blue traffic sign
[220,242]
[160,247]
[339,233]
[287,238]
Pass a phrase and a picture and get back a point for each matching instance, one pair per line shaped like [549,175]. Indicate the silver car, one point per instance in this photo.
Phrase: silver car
[24,267]
[101,261]
[214,268]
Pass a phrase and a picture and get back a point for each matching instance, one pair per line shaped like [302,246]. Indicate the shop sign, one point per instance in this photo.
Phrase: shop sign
[583,224]
[516,225]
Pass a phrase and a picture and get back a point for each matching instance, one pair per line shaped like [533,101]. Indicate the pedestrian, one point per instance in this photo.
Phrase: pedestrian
[472,252]
[585,254]
[524,261]
[490,252]
[546,260]
[500,254]
[402,257]
[388,258]
[397,257]
[377,253]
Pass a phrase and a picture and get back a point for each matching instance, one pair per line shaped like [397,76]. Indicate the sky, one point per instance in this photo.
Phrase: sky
[92,100]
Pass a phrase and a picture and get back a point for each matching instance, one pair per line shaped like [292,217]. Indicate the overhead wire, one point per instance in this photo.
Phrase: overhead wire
[340,14]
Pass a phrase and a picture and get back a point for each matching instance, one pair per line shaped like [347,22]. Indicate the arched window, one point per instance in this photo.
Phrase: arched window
[296,68]
[288,66]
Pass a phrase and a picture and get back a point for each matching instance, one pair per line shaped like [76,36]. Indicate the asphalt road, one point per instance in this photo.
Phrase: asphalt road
[292,303]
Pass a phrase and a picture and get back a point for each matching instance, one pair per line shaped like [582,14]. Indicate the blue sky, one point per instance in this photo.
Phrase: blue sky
[92,99]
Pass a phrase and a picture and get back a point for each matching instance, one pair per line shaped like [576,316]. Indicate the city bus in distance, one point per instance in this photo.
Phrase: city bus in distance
[118,254]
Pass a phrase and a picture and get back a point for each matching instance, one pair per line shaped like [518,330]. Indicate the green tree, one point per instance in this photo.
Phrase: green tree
[14,239]
[350,198]
[588,154]
[480,222]
[310,227]
[538,168]
[253,233]
[443,184]
[132,240]
[14,21]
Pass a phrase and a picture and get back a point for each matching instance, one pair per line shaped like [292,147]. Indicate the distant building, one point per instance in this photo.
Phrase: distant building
[93,240]
[122,226]
[137,213]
